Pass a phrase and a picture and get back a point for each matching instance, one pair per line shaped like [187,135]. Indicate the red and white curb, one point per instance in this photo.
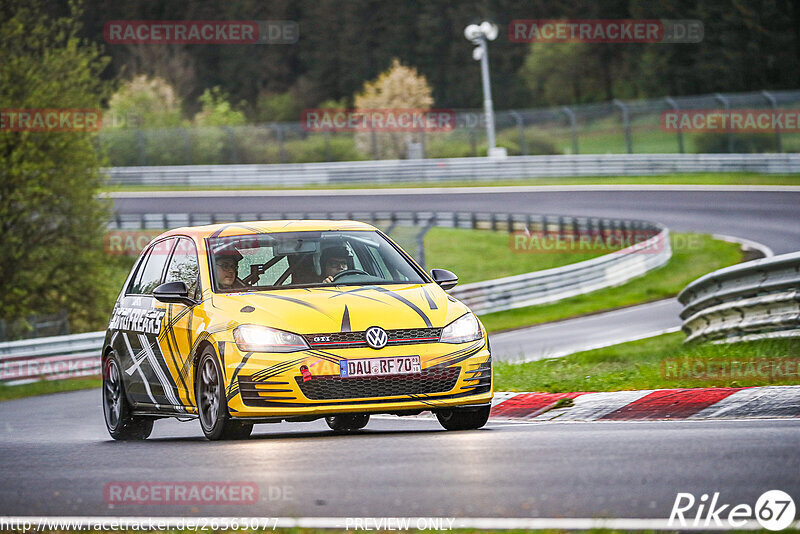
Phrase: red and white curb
[658,404]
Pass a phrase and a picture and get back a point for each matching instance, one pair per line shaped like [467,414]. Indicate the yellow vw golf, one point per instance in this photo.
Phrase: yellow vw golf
[259,322]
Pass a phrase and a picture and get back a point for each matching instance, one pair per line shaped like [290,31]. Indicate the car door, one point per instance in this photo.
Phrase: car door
[138,324]
[177,337]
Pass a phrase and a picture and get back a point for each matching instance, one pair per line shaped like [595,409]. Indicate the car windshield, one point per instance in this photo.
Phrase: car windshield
[305,259]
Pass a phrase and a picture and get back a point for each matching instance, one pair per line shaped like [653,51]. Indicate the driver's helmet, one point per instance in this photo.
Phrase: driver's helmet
[335,252]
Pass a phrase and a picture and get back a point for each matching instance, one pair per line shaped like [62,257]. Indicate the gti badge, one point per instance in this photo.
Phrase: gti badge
[376,337]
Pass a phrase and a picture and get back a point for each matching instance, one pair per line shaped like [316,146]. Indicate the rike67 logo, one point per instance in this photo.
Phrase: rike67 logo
[774,510]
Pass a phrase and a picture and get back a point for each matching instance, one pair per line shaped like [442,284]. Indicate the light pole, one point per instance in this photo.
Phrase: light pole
[479,34]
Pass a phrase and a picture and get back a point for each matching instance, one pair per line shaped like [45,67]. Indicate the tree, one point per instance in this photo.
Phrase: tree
[145,102]
[51,223]
[399,87]
[217,111]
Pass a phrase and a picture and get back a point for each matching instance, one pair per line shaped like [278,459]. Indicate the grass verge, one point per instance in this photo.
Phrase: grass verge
[43,387]
[655,363]
[693,255]
[476,255]
[728,178]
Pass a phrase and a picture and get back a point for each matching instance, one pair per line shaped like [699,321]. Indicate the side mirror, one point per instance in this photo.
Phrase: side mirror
[444,278]
[173,293]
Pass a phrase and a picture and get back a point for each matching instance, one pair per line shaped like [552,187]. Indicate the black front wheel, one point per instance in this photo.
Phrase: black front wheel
[121,424]
[347,422]
[212,406]
[463,418]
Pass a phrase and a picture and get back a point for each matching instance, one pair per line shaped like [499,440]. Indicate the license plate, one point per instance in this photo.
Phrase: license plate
[397,365]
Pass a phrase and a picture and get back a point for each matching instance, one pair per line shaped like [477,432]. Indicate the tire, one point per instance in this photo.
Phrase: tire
[212,405]
[121,424]
[463,418]
[347,422]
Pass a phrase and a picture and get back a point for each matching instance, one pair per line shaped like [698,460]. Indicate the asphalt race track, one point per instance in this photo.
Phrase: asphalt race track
[56,459]
[556,339]
[767,215]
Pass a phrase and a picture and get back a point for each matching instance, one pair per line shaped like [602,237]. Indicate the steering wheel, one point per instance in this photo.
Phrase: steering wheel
[348,271]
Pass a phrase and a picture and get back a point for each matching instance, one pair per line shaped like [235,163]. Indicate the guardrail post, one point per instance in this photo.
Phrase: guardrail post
[141,143]
[626,123]
[420,237]
[726,103]
[573,127]
[374,144]
[187,146]
[523,143]
[774,105]
[674,105]
[234,154]
[473,142]
[281,150]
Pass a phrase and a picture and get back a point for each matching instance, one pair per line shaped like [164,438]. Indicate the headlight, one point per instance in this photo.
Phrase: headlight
[465,328]
[254,338]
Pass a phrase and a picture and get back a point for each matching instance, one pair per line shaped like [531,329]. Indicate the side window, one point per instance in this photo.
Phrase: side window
[183,266]
[148,277]
[356,259]
[383,270]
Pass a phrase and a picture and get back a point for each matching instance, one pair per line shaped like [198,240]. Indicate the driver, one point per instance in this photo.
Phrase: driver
[333,261]
[226,267]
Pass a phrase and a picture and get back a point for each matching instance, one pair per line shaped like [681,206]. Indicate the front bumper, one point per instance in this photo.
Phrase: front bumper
[271,386]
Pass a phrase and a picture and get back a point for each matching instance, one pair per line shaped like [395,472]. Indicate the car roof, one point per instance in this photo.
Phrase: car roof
[255,227]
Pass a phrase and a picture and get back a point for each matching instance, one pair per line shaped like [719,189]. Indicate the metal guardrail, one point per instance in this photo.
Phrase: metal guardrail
[552,285]
[79,355]
[755,300]
[51,358]
[452,169]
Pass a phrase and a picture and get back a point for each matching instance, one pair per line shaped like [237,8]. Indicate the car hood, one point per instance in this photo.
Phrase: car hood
[342,308]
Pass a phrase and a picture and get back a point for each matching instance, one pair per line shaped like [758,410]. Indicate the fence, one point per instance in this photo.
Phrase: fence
[450,170]
[604,128]
[56,324]
[754,300]
[79,355]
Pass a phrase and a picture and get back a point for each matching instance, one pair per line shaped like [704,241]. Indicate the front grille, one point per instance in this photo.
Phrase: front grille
[348,340]
[434,380]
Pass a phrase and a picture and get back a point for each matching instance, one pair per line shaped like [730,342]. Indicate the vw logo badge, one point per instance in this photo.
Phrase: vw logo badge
[376,337]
